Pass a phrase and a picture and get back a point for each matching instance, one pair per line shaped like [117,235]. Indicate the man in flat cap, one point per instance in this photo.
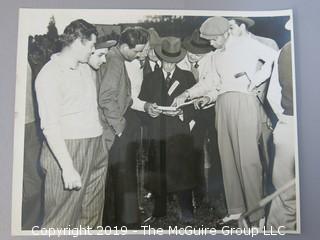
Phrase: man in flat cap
[152,62]
[238,113]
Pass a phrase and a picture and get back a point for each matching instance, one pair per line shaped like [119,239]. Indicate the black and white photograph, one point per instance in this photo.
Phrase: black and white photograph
[149,121]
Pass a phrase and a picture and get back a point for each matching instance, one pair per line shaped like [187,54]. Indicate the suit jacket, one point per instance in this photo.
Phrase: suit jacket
[171,155]
[115,90]
[154,90]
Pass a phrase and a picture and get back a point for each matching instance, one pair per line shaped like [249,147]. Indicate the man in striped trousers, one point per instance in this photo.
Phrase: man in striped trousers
[73,156]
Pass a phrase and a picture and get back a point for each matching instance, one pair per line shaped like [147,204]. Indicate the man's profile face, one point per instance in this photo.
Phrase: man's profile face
[133,53]
[142,56]
[152,55]
[86,48]
[218,41]
[97,58]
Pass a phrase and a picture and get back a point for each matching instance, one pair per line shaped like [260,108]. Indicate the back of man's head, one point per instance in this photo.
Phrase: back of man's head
[77,29]
[133,36]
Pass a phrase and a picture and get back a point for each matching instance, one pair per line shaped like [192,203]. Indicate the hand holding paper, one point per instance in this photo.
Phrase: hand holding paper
[152,109]
[175,107]
[180,99]
[173,113]
[200,103]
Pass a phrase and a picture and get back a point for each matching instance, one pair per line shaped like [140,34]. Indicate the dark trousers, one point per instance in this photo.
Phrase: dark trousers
[184,200]
[207,152]
[121,207]
[32,203]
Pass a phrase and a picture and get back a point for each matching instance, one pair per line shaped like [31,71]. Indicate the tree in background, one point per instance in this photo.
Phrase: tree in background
[41,47]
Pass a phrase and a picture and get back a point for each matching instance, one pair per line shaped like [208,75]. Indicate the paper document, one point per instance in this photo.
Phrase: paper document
[171,108]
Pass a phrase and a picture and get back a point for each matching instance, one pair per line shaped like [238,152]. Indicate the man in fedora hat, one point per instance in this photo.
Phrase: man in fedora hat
[152,62]
[237,113]
[199,61]
[171,162]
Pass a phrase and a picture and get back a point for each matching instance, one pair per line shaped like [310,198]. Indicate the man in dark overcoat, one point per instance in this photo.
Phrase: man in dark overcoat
[171,157]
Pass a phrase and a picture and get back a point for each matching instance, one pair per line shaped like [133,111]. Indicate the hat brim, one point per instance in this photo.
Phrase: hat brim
[210,37]
[248,21]
[195,49]
[170,59]
[106,44]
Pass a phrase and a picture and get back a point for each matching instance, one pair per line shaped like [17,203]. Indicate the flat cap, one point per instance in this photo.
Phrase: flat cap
[214,26]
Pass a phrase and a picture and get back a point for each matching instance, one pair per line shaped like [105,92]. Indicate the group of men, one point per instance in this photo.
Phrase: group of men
[94,96]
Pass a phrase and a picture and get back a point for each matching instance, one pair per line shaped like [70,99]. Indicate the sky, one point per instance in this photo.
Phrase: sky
[64,17]
[35,21]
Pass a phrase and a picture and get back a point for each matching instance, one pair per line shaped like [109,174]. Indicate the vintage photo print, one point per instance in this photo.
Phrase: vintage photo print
[155,122]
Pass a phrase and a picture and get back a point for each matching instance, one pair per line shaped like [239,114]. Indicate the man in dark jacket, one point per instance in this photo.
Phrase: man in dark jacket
[115,100]
[171,163]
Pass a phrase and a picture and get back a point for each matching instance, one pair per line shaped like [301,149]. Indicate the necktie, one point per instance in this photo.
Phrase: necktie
[168,79]
[195,71]
[146,67]
[141,63]
[156,67]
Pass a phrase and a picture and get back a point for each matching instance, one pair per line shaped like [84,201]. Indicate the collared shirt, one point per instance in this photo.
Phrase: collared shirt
[241,55]
[266,41]
[166,73]
[236,65]
[208,77]
[67,99]
[135,73]
[153,64]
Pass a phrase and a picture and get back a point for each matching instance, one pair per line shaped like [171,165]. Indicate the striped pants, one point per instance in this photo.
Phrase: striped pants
[239,129]
[65,208]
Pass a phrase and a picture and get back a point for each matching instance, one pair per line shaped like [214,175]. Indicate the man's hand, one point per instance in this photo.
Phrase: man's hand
[201,102]
[251,87]
[180,99]
[71,178]
[173,113]
[151,109]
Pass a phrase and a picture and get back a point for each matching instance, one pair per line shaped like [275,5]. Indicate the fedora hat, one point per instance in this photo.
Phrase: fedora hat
[247,21]
[195,44]
[170,50]
[154,38]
